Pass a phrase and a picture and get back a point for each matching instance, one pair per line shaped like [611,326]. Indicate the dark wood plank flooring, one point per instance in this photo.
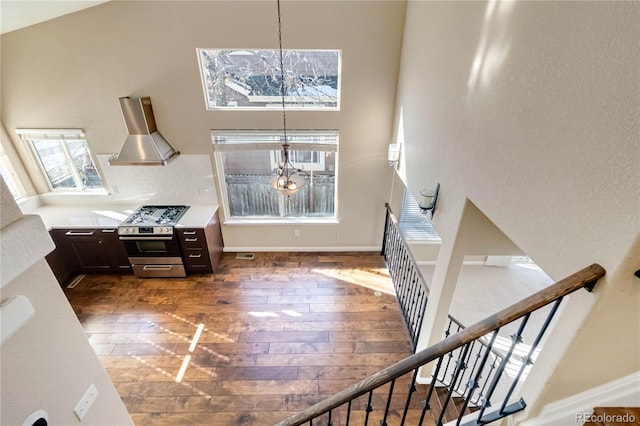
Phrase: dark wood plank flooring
[278,333]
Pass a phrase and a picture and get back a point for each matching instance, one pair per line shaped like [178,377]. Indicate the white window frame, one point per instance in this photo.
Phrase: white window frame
[270,140]
[293,103]
[276,158]
[62,135]
[10,177]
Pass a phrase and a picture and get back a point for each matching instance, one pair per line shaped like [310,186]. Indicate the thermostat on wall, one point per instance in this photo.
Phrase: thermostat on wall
[14,314]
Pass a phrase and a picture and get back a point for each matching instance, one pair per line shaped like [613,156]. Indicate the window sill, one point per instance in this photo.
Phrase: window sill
[283,221]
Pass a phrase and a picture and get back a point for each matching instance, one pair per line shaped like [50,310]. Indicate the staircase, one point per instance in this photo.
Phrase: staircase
[471,382]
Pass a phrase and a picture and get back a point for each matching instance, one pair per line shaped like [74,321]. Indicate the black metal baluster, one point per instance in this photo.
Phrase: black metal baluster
[412,389]
[369,409]
[426,404]
[423,308]
[348,412]
[459,367]
[414,304]
[472,370]
[446,367]
[527,360]
[384,236]
[465,360]
[473,383]
[329,423]
[447,333]
[516,338]
[496,361]
[383,422]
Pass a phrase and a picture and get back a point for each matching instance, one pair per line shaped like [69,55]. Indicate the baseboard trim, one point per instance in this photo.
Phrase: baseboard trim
[623,392]
[300,249]
[465,263]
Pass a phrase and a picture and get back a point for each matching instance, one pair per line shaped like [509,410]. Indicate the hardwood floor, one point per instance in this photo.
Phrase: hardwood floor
[249,345]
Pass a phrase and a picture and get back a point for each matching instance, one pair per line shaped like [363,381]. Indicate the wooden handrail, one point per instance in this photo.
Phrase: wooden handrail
[583,278]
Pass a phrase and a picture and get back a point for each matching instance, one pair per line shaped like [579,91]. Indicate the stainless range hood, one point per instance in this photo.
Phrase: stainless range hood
[144,146]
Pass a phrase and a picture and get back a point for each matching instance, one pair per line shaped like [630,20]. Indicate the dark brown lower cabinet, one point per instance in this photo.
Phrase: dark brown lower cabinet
[201,247]
[85,251]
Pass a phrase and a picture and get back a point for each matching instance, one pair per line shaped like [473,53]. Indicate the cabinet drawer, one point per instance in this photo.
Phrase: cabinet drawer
[197,260]
[193,238]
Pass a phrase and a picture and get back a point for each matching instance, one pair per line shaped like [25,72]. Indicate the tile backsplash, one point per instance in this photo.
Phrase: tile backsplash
[187,179]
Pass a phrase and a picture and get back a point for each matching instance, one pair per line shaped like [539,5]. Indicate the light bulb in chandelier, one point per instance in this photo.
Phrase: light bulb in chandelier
[288,185]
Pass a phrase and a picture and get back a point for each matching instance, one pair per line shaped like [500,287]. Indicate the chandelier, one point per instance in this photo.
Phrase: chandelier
[289,179]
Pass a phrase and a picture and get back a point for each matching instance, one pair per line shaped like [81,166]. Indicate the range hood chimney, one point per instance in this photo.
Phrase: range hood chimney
[144,146]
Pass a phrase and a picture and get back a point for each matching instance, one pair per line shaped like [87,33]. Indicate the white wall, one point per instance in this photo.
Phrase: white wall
[70,71]
[530,111]
[48,364]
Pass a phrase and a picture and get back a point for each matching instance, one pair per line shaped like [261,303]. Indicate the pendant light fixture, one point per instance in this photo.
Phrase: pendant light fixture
[289,179]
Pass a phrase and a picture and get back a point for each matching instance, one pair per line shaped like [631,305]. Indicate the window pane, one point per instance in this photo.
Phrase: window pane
[252,78]
[54,162]
[247,161]
[86,170]
[414,225]
[247,175]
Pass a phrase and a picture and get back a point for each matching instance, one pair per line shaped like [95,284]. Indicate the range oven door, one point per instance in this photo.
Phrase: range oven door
[154,256]
[152,247]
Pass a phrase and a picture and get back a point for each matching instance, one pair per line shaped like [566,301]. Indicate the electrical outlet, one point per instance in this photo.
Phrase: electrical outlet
[85,403]
[296,232]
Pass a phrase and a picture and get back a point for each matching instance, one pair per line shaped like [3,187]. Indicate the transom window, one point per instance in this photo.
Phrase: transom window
[246,161]
[251,78]
[64,157]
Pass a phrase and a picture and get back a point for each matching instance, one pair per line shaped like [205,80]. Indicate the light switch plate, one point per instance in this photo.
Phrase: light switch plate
[85,403]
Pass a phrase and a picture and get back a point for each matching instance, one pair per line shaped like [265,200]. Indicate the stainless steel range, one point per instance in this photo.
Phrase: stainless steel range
[152,246]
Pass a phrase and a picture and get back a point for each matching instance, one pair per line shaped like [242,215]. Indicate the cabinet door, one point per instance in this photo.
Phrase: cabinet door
[90,249]
[118,254]
[62,261]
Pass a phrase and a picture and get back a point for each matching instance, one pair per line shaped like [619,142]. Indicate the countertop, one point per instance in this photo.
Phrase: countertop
[110,216]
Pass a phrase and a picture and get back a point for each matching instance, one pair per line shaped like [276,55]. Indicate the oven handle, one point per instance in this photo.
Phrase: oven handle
[145,238]
[157,268]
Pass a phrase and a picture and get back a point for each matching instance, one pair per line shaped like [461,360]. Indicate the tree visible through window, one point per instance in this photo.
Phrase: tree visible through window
[246,162]
[252,78]
[64,158]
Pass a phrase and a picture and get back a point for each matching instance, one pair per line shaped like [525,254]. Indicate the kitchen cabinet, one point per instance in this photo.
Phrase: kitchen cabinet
[80,250]
[201,246]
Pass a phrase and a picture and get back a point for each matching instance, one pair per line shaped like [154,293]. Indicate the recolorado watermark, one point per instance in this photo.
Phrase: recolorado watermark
[629,418]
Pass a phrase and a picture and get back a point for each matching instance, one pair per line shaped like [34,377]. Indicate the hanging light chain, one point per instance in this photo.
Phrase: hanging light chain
[284,112]
[286,181]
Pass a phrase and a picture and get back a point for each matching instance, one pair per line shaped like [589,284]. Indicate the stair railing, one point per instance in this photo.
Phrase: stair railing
[410,285]
[347,407]
[476,350]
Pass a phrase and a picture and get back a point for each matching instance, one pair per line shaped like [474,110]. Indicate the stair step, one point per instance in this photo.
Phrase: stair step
[437,401]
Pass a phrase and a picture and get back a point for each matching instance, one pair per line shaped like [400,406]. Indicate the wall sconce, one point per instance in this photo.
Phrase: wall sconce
[394,154]
[428,200]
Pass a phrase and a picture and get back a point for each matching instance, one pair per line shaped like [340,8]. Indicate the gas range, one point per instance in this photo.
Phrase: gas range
[149,221]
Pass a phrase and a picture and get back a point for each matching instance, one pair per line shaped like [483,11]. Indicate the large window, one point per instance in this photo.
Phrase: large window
[246,161]
[64,157]
[250,79]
